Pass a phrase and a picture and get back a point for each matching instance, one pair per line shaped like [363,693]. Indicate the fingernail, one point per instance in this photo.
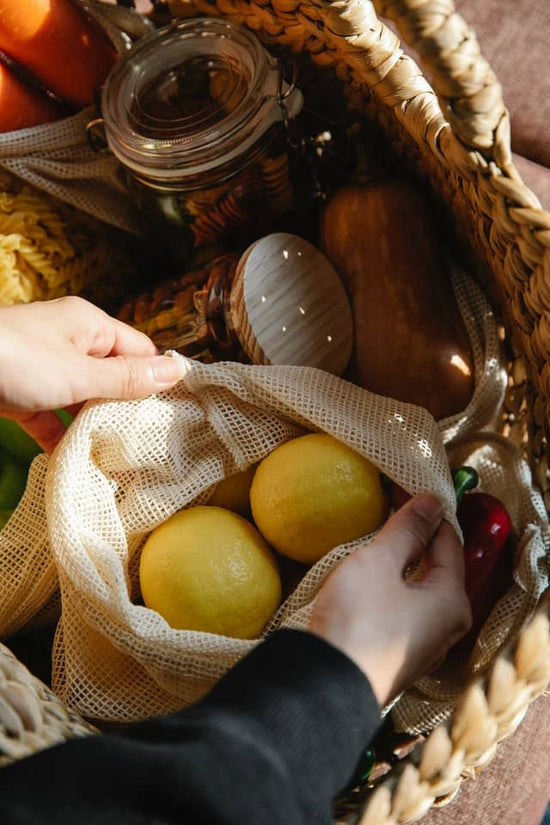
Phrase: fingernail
[166,370]
[429,506]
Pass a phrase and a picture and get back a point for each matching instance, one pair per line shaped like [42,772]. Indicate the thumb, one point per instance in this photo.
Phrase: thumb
[125,376]
[410,530]
[446,557]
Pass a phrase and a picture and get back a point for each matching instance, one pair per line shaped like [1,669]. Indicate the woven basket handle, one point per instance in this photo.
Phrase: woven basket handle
[468,90]
[489,712]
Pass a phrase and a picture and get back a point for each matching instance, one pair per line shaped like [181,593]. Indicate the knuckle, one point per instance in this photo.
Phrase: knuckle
[417,532]
[131,378]
[72,302]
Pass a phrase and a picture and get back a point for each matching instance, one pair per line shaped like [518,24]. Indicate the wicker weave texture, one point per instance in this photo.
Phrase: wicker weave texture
[31,716]
[455,134]
[489,713]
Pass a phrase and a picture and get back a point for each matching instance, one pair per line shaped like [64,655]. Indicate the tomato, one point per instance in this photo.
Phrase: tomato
[21,106]
[54,39]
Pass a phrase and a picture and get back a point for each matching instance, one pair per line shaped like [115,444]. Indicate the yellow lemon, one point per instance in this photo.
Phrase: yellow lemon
[209,569]
[314,493]
[233,492]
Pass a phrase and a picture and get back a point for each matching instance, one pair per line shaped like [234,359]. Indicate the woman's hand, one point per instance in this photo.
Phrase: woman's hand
[397,630]
[58,354]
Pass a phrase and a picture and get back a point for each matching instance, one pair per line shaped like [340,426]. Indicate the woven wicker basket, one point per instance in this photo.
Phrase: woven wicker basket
[454,136]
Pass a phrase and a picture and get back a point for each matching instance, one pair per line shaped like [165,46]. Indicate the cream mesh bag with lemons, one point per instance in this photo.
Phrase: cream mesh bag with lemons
[123,468]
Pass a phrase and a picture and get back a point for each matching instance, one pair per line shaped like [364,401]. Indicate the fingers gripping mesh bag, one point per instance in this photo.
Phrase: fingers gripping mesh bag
[123,468]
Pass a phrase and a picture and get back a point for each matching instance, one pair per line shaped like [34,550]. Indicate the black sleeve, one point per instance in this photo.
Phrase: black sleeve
[272,743]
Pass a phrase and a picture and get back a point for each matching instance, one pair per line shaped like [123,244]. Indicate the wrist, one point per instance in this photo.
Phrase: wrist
[362,655]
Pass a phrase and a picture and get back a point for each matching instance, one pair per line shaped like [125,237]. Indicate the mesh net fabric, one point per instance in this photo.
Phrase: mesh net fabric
[470,438]
[504,473]
[123,468]
[127,467]
[57,158]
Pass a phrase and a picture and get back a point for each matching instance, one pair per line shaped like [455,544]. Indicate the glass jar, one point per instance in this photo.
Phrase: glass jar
[195,114]
[188,313]
[279,302]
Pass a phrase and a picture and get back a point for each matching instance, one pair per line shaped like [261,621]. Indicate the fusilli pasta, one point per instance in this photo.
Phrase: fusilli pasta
[48,249]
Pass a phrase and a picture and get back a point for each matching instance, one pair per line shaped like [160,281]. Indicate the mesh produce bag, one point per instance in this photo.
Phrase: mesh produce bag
[123,468]
[451,133]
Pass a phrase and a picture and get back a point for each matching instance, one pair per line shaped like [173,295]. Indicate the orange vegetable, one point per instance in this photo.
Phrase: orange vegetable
[21,106]
[63,48]
[410,341]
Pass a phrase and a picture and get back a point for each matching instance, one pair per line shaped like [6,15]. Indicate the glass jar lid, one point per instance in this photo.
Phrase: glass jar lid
[191,96]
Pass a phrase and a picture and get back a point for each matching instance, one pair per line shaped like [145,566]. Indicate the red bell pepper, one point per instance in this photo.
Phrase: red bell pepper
[488,558]
[488,544]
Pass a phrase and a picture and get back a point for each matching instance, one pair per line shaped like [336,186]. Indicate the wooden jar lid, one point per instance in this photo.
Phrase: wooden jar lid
[288,305]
